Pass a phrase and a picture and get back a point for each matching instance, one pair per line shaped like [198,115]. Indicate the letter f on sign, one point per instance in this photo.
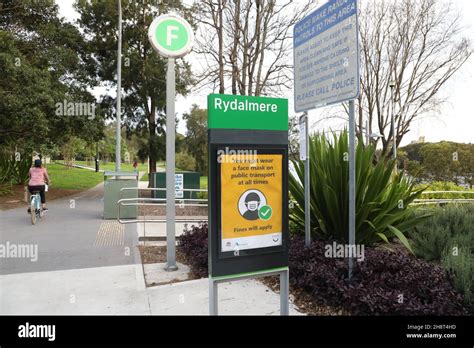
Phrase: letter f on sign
[169,34]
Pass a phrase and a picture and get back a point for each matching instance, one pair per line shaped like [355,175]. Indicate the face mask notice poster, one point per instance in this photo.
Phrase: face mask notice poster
[251,200]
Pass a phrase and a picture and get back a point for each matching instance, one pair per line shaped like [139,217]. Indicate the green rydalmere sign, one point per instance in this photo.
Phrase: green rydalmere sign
[245,112]
[248,216]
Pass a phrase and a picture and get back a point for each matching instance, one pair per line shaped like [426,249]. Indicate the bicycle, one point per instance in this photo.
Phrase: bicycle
[36,210]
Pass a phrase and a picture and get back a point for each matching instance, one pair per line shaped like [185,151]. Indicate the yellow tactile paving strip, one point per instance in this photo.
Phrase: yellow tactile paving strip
[111,233]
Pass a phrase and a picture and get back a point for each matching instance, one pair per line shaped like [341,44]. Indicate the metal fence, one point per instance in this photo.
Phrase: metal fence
[145,201]
[203,202]
[440,201]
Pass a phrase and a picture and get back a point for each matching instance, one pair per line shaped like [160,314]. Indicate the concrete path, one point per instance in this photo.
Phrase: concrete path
[244,297]
[83,264]
[157,230]
[74,262]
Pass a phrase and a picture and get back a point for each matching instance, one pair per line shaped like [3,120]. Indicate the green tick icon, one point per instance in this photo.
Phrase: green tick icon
[265,212]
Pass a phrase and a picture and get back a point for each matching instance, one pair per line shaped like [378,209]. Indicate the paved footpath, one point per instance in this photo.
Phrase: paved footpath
[87,265]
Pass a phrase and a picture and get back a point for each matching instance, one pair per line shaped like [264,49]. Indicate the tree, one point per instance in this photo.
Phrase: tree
[246,45]
[416,45]
[42,63]
[143,70]
[106,146]
[71,148]
[196,137]
[442,161]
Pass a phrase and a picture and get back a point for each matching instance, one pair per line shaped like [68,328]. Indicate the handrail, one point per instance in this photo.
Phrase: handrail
[441,201]
[146,201]
[428,201]
[159,189]
[434,192]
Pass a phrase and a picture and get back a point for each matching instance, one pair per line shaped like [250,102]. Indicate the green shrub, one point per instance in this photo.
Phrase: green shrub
[22,169]
[431,245]
[7,165]
[13,171]
[202,195]
[460,266]
[185,161]
[382,197]
[5,190]
[449,225]
[448,236]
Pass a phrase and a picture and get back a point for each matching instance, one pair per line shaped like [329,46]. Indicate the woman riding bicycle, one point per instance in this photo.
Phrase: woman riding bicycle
[38,179]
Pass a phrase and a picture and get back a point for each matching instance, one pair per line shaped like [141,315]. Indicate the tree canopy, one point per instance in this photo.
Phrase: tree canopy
[43,63]
[143,70]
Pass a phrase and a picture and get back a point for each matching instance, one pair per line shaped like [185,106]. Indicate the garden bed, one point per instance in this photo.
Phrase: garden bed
[387,282]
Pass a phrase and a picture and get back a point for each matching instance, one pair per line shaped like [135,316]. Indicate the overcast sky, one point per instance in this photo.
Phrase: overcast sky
[455,121]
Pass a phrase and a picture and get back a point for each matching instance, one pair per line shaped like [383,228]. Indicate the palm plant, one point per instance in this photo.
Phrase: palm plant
[22,168]
[382,196]
[13,171]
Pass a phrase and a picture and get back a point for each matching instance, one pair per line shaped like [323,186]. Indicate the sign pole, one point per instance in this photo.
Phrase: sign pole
[394,135]
[329,76]
[170,169]
[307,191]
[118,135]
[213,297]
[352,192]
[284,292]
[172,37]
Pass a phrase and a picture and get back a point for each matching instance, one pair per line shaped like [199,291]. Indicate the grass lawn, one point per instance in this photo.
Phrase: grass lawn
[105,166]
[110,166]
[63,177]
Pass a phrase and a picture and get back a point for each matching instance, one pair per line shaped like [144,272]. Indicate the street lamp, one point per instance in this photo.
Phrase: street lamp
[394,137]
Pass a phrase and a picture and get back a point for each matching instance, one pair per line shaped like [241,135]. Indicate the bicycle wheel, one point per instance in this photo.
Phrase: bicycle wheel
[33,212]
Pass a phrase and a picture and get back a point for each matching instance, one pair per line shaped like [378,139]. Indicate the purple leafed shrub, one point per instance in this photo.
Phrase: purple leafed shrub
[193,246]
[385,283]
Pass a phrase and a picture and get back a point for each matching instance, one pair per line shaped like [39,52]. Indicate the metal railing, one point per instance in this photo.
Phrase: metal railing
[438,201]
[155,202]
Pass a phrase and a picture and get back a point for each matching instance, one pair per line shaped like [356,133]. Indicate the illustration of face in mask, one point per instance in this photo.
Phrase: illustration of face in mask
[252,202]
[253,205]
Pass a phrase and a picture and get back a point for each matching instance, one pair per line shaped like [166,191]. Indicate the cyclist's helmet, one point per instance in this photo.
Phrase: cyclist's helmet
[37,163]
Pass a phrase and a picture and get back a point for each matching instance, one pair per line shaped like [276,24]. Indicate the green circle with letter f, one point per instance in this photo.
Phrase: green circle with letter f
[172,35]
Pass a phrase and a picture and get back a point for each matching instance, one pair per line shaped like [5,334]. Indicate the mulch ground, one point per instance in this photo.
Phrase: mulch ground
[16,198]
[304,301]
